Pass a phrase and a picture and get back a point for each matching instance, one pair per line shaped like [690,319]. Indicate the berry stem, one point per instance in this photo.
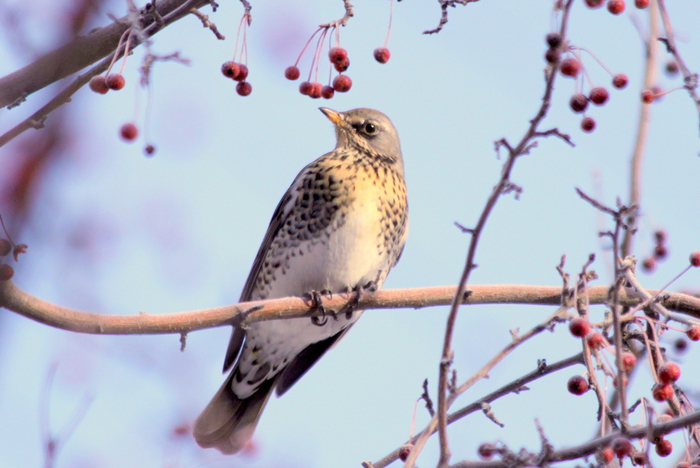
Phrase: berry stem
[116,51]
[305,47]
[391,14]
[126,53]
[595,58]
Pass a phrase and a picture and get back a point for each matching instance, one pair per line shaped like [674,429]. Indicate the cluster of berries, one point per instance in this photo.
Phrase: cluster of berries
[341,83]
[7,248]
[572,67]
[237,72]
[616,7]
[660,251]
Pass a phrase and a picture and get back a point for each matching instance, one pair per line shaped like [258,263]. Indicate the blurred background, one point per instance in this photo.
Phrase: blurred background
[112,231]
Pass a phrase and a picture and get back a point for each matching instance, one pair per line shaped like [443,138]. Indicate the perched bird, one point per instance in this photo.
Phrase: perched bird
[340,226]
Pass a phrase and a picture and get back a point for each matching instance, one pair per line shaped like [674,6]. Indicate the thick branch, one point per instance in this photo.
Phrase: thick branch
[13,298]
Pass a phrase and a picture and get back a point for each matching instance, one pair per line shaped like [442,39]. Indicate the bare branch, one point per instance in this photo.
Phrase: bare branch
[444,4]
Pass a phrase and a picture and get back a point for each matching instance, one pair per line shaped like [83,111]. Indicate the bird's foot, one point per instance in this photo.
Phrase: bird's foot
[316,298]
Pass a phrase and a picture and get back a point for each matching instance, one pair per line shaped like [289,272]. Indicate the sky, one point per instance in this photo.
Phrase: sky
[118,233]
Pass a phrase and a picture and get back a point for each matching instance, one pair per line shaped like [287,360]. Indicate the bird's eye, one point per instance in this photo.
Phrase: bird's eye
[370,128]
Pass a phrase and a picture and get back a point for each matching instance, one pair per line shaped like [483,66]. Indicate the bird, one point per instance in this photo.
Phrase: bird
[341,226]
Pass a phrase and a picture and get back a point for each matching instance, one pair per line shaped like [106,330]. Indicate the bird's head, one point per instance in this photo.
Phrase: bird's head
[367,130]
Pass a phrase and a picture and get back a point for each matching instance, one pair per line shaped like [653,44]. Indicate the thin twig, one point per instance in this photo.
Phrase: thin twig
[207,24]
[444,4]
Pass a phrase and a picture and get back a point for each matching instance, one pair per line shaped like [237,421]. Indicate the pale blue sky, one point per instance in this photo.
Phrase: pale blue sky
[179,231]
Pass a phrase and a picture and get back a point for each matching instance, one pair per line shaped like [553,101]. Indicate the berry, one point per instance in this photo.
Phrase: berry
[486,451]
[553,40]
[620,81]
[664,418]
[683,464]
[579,327]
[595,340]
[316,89]
[405,451]
[641,3]
[664,448]
[305,88]
[629,360]
[129,132]
[622,447]
[337,55]
[660,236]
[244,88]
[570,67]
[340,67]
[605,455]
[292,73]
[327,92]
[6,272]
[230,69]
[578,102]
[648,96]
[552,55]
[649,264]
[242,73]
[149,150]
[639,459]
[342,83]
[660,252]
[98,84]
[662,392]
[115,81]
[669,372]
[382,54]
[599,96]
[5,247]
[695,258]
[587,124]
[672,68]
[681,345]
[616,6]
[577,385]
[693,333]
[625,381]
[594,3]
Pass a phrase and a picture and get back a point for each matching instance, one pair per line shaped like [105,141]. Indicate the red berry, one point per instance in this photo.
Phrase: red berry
[340,67]
[5,247]
[230,69]
[115,81]
[641,3]
[242,73]
[605,455]
[244,88]
[594,3]
[129,132]
[629,360]
[620,81]
[681,345]
[570,67]
[599,95]
[382,54]
[305,87]
[672,68]
[553,40]
[577,385]
[693,333]
[625,381]
[587,124]
[662,392]
[595,340]
[292,73]
[669,372]
[552,55]
[316,89]
[405,451]
[579,327]
[149,150]
[578,102]
[639,459]
[337,55]
[342,83]
[6,272]
[664,448]
[616,6]
[648,96]
[327,92]
[98,84]
[660,252]
[695,258]
[660,236]
[683,464]
[622,447]
[486,451]
[649,264]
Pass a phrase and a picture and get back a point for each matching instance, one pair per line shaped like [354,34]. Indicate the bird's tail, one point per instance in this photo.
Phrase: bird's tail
[228,422]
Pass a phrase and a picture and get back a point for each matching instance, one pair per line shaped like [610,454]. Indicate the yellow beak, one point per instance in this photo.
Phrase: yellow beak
[332,115]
